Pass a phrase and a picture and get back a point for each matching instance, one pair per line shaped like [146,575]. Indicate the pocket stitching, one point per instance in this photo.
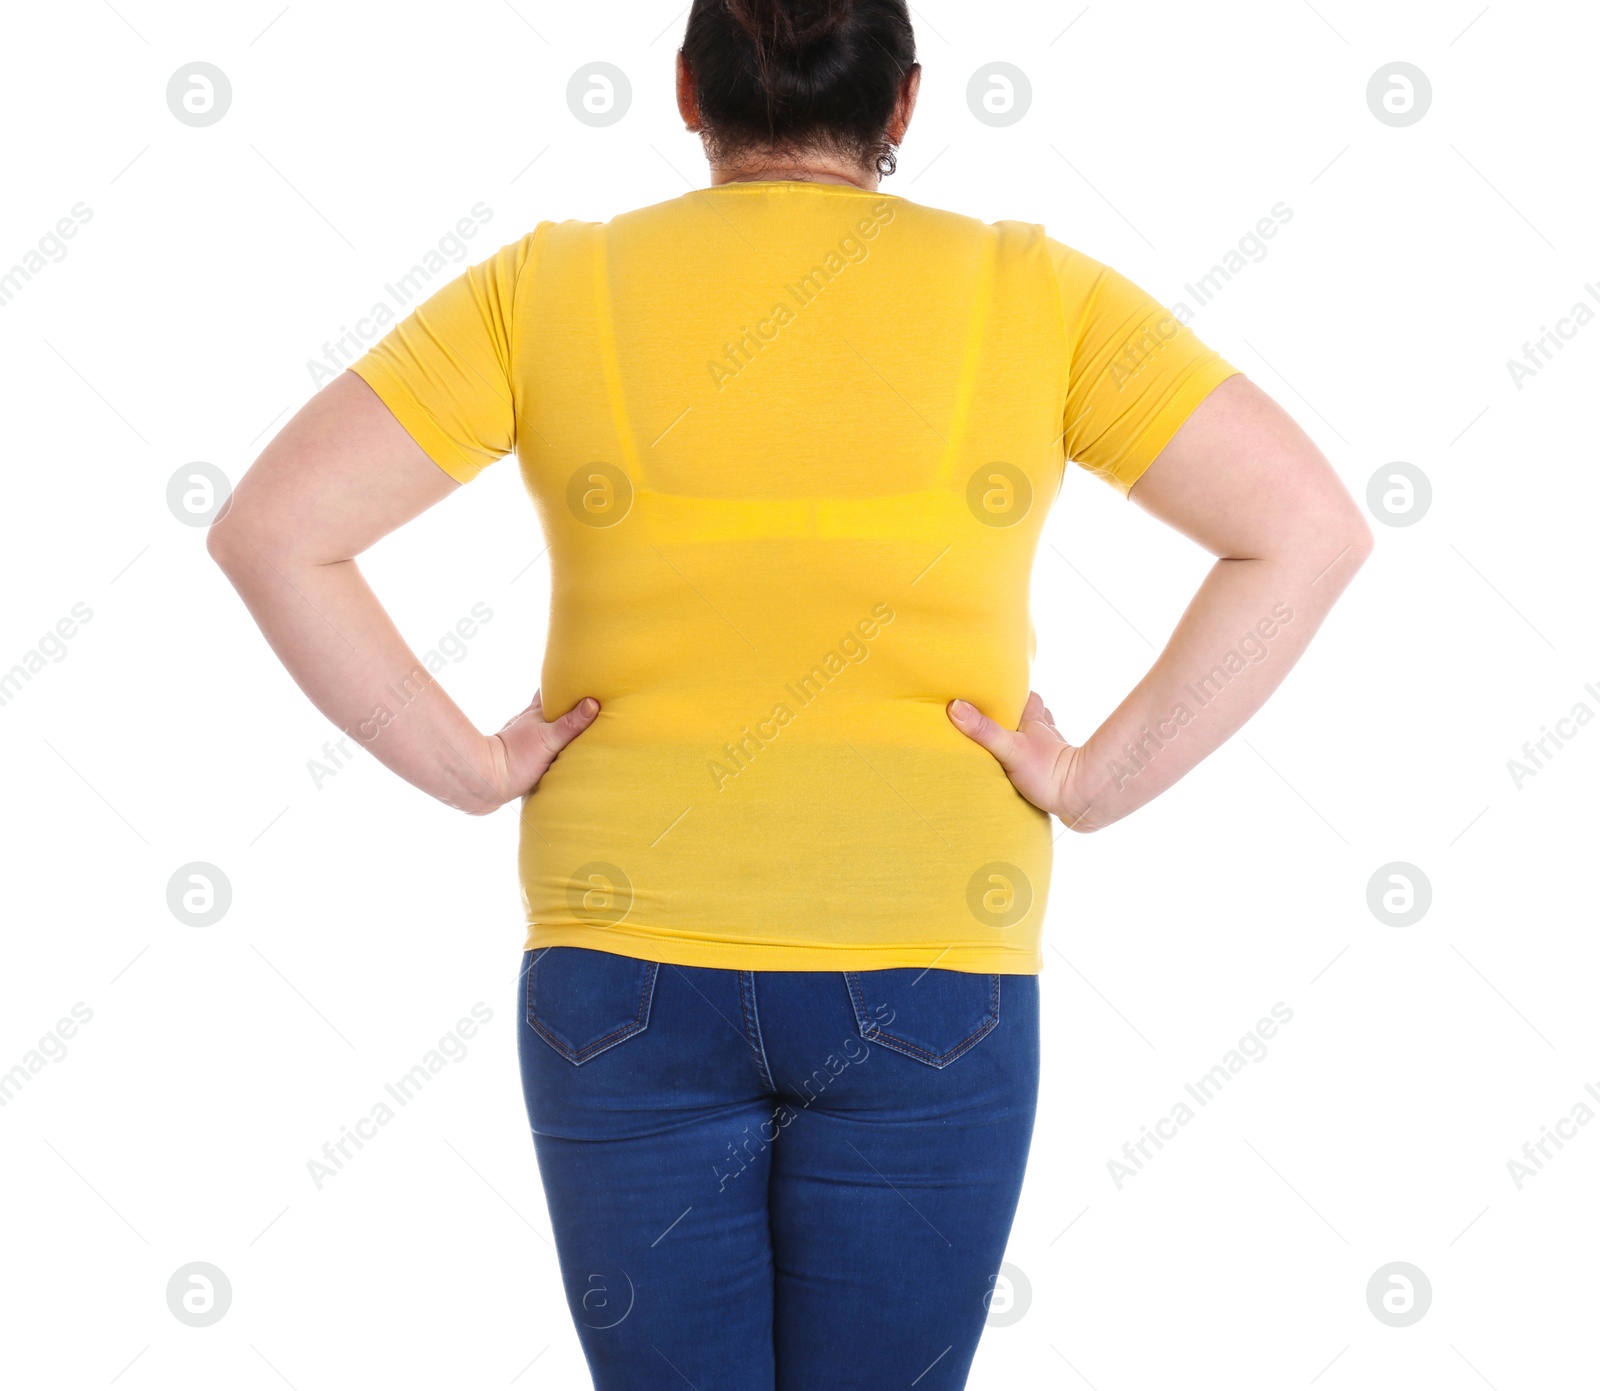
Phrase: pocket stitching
[621,1034]
[913,1050]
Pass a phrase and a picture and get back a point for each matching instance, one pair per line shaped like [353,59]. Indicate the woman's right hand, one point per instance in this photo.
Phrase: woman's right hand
[520,753]
[1042,765]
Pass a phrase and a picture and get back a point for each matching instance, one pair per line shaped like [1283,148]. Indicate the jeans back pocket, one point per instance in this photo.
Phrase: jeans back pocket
[933,1016]
[582,1002]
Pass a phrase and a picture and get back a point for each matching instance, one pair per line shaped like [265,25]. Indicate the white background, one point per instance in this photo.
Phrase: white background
[366,920]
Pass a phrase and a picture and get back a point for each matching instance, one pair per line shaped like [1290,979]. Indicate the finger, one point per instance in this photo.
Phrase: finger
[1036,712]
[978,727]
[557,734]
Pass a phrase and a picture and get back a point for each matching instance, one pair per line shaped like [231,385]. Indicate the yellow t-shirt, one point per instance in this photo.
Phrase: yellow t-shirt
[792,446]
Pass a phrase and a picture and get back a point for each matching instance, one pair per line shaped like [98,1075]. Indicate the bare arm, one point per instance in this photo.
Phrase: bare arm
[339,476]
[1244,481]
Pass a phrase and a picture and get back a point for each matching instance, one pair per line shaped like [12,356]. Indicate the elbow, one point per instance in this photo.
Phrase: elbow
[1335,544]
[233,543]
[225,537]
[254,537]
[1358,539]
[219,543]
[235,552]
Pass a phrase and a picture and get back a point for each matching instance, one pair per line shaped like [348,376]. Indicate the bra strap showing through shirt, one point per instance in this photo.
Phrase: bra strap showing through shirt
[605,335]
[971,359]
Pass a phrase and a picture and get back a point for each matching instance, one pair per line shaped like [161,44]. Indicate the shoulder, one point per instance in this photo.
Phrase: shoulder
[1014,239]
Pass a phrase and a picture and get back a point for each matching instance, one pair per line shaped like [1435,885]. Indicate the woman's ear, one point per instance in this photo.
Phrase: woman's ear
[688,101]
[904,104]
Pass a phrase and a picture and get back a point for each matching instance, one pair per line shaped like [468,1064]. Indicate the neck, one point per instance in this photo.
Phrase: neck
[818,170]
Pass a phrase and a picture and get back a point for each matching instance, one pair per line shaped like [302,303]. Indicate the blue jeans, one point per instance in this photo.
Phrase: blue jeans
[777,1180]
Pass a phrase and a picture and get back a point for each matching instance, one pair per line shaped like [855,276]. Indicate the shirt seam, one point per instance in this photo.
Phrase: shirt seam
[1174,405]
[394,391]
[1066,359]
[515,329]
[797,186]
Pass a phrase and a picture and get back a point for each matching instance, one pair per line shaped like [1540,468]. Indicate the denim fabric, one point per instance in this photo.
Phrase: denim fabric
[777,1180]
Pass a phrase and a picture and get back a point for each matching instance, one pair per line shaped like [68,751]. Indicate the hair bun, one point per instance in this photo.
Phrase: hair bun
[789,23]
[787,76]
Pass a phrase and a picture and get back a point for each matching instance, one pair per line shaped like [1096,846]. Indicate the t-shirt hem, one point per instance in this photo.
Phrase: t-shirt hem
[415,420]
[732,955]
[1158,433]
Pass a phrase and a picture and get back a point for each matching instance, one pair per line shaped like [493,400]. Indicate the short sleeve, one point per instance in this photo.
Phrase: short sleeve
[1135,373]
[445,370]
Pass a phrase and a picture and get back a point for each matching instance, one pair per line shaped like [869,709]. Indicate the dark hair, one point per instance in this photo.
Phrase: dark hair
[800,74]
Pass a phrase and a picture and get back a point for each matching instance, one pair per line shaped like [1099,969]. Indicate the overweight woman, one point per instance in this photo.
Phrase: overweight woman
[785,794]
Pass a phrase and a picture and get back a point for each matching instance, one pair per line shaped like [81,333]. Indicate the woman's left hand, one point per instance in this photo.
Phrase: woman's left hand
[520,753]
